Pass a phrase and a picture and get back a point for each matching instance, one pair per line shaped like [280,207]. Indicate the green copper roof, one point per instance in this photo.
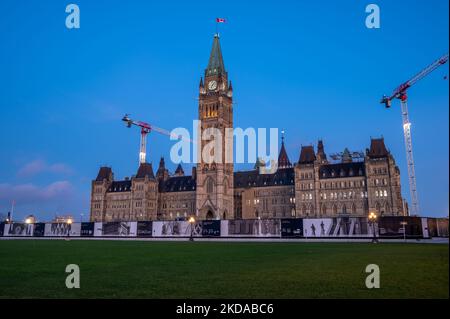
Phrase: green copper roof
[215,64]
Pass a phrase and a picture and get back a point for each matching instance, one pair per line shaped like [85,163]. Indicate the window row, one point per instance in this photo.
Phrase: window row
[343,184]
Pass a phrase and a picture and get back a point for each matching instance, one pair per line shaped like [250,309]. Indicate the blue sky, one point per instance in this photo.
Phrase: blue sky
[309,67]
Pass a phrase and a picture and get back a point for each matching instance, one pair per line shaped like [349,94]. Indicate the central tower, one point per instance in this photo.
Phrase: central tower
[214,193]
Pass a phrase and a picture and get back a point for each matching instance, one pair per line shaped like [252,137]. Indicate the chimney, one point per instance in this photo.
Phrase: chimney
[194,172]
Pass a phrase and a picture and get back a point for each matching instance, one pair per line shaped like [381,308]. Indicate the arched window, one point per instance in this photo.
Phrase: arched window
[344,209]
[310,210]
[334,209]
[324,210]
[387,208]
[353,209]
[209,186]
[225,186]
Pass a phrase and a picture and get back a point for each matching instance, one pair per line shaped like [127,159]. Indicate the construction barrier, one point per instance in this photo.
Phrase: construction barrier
[336,227]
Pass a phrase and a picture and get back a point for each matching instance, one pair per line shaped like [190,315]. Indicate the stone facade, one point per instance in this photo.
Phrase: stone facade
[312,187]
[214,194]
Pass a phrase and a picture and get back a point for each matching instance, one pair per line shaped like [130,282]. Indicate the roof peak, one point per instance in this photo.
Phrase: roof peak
[283,158]
[145,169]
[215,64]
[307,155]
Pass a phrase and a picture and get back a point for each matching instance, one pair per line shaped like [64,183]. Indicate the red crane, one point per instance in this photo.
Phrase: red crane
[146,128]
[400,93]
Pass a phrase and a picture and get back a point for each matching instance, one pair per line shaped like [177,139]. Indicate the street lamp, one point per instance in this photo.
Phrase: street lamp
[29,221]
[192,221]
[69,226]
[372,220]
[404,223]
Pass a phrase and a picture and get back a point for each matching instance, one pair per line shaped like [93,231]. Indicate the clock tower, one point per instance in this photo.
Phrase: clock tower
[214,192]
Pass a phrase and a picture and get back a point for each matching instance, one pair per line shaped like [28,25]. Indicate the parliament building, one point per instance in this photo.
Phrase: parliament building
[313,186]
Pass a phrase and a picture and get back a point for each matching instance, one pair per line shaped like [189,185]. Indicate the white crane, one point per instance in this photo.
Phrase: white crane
[145,129]
[400,93]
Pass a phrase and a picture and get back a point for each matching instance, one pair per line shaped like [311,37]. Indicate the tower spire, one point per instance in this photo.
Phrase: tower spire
[215,64]
[283,159]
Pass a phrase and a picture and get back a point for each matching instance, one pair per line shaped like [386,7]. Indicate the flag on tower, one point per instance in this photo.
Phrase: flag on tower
[220,20]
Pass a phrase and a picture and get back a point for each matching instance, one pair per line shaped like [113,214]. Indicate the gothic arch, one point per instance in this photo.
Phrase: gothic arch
[387,208]
[209,182]
[304,210]
[209,215]
[344,209]
[311,210]
[334,210]
[225,185]
[354,211]
[323,210]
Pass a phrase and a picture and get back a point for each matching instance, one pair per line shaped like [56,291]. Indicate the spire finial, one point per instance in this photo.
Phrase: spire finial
[282,136]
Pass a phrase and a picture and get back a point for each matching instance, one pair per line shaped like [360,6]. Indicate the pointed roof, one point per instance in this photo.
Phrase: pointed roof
[307,155]
[145,169]
[162,163]
[283,159]
[377,148]
[179,171]
[215,64]
[104,173]
[161,169]
[321,156]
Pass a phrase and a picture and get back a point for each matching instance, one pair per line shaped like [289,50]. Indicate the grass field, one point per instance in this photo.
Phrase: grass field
[138,269]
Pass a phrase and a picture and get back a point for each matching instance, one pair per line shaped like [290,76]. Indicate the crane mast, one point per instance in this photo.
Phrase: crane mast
[401,94]
[410,158]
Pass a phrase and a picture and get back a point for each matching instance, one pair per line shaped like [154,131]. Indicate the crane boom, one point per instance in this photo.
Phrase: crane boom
[401,94]
[146,128]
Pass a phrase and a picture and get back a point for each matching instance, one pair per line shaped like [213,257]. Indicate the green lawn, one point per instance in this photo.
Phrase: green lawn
[138,269]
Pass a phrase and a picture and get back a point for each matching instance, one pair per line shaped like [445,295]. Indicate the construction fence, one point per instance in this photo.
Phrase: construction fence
[338,227]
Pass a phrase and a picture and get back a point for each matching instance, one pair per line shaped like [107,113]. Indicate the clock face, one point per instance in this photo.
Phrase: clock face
[212,85]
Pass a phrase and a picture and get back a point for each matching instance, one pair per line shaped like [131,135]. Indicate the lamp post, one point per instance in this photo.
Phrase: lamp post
[69,226]
[404,223]
[192,221]
[29,220]
[372,220]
